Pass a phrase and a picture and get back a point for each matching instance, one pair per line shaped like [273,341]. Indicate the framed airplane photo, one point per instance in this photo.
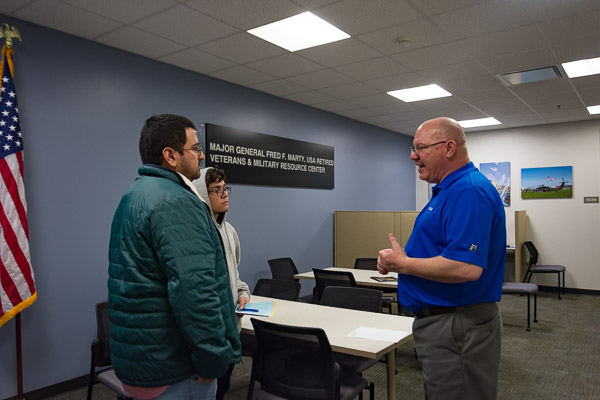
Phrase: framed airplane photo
[547,183]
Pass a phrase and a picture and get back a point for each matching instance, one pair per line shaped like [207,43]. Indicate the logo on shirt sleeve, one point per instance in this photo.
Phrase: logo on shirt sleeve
[473,247]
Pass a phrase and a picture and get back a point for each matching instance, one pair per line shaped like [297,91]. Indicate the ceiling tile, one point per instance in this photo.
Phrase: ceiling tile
[66,18]
[139,42]
[123,11]
[339,53]
[351,90]
[474,85]
[568,29]
[373,100]
[486,95]
[421,33]
[370,69]
[464,70]
[401,81]
[543,10]
[433,7]
[432,56]
[483,18]
[312,97]
[242,48]
[185,25]
[285,65]
[578,49]
[279,87]
[321,79]
[247,14]
[520,61]
[11,6]
[242,75]
[196,60]
[356,113]
[508,41]
[359,16]
[335,106]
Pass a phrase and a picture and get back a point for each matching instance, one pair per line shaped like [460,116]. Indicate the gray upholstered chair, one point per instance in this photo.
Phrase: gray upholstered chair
[524,289]
[534,268]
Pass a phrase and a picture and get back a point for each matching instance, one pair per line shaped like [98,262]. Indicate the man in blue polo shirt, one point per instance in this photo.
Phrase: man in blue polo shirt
[452,268]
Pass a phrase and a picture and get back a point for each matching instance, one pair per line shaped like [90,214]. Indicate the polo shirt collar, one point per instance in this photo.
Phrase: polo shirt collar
[450,179]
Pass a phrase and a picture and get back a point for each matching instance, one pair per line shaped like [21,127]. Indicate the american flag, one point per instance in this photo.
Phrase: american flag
[17,286]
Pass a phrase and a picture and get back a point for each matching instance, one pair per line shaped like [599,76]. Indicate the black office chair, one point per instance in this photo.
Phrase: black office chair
[355,299]
[278,289]
[371,265]
[533,268]
[325,278]
[101,356]
[524,289]
[297,363]
[284,268]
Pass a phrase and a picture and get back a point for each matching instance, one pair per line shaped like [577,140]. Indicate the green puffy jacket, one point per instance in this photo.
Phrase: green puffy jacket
[171,308]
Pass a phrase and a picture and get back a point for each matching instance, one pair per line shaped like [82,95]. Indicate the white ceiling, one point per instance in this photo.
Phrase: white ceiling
[459,44]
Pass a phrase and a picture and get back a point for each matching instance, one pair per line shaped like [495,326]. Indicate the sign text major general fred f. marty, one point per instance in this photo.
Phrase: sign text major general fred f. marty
[259,159]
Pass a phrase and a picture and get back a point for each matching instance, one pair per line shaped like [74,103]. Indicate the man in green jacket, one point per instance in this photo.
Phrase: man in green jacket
[172,319]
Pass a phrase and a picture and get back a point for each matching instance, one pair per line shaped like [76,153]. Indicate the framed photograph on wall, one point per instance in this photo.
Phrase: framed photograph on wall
[499,174]
[547,183]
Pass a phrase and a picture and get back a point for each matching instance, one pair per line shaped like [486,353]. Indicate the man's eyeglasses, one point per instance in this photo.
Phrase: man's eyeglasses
[221,192]
[196,149]
[418,149]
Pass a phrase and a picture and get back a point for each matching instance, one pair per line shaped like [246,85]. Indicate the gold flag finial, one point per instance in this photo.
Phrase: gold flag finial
[8,33]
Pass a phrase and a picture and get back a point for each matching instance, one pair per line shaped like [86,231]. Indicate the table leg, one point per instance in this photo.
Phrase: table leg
[390,359]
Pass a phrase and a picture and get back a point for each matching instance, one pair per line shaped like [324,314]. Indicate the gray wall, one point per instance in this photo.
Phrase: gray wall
[82,106]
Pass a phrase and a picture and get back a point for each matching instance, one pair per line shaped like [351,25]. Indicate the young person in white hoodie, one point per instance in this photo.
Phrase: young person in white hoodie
[211,187]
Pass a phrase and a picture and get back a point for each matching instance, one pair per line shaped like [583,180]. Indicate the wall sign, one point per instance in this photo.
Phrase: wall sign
[259,159]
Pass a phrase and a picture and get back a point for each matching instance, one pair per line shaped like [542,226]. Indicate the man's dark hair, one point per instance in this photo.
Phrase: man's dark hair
[215,174]
[160,131]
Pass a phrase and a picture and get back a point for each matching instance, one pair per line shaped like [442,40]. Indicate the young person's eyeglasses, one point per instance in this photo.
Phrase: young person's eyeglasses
[221,192]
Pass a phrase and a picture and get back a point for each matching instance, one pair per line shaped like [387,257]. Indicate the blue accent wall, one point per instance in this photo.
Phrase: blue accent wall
[82,106]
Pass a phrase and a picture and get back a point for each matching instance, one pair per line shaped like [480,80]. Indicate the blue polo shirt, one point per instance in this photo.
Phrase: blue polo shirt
[464,221]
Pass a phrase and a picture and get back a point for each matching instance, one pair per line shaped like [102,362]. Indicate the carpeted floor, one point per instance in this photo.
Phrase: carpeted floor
[558,359]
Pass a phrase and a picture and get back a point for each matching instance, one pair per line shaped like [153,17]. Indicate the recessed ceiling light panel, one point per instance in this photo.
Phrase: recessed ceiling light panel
[575,69]
[594,109]
[420,93]
[474,123]
[299,32]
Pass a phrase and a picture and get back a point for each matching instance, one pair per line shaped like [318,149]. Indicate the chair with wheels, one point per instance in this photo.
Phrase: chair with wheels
[524,289]
[371,265]
[325,278]
[534,268]
[284,268]
[297,363]
[101,356]
[356,299]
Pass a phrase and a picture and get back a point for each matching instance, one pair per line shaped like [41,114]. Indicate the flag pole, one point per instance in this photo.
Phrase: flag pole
[8,33]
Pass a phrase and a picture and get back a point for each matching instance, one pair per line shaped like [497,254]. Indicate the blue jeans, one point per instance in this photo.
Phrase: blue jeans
[190,389]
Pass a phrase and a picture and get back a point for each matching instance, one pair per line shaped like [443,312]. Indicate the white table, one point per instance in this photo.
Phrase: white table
[337,324]
[361,276]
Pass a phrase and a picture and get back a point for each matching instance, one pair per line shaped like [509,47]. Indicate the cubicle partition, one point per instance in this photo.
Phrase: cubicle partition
[361,234]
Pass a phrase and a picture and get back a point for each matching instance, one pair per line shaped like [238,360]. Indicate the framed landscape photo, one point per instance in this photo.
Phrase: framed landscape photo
[547,183]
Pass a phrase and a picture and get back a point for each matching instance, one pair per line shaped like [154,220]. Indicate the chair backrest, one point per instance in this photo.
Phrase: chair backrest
[283,268]
[354,298]
[533,253]
[101,346]
[278,289]
[294,363]
[366,263]
[325,278]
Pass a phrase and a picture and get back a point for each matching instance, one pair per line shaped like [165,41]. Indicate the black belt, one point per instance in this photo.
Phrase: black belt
[431,311]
